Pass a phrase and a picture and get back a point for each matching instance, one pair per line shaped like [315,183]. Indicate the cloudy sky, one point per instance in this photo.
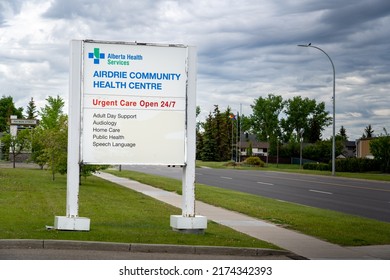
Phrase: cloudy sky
[246,49]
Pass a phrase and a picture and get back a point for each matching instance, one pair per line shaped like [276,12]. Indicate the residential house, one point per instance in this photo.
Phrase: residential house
[259,148]
[349,149]
[363,148]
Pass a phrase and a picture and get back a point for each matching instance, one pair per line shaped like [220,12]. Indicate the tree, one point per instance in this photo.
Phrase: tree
[7,108]
[322,150]
[199,136]
[209,147]
[228,150]
[380,149]
[318,120]
[38,147]
[298,111]
[368,132]
[50,141]
[265,119]
[221,128]
[31,110]
[51,113]
[305,114]
[17,144]
[343,133]
[249,150]
[198,124]
[217,136]
[55,142]
[245,123]
[265,116]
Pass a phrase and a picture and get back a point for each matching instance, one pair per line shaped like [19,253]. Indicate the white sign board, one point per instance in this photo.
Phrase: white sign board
[133,104]
[23,122]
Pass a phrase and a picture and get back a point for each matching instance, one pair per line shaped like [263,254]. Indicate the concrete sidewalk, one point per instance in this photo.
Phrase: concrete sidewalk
[300,244]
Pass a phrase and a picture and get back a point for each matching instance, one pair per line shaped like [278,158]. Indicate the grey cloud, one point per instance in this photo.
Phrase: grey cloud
[113,14]
[8,7]
[246,49]
[356,13]
[71,8]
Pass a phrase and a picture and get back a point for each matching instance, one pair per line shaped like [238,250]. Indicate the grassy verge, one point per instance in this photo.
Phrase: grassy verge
[335,227]
[294,168]
[29,200]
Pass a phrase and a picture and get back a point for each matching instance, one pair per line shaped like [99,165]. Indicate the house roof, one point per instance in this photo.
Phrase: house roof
[246,139]
[261,145]
[350,144]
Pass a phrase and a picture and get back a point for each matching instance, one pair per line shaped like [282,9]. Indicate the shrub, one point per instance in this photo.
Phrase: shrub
[317,166]
[347,165]
[230,163]
[254,161]
[357,165]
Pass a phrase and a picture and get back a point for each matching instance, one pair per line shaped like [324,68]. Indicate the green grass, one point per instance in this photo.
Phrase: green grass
[295,168]
[30,200]
[332,226]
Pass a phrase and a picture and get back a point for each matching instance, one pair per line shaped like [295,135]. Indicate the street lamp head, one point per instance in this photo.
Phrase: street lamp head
[308,45]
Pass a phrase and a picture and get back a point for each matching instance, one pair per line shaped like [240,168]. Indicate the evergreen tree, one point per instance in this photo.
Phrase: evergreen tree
[31,110]
[343,133]
[209,144]
[199,144]
[368,132]
[227,135]
[218,136]
[218,132]
[199,136]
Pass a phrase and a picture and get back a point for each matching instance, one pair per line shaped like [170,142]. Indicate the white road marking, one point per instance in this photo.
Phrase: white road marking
[228,178]
[263,183]
[320,192]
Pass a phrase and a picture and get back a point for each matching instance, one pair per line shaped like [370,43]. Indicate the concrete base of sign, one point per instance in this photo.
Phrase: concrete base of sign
[195,224]
[71,223]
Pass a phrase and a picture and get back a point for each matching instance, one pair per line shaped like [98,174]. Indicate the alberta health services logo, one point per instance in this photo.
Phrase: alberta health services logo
[112,58]
[96,55]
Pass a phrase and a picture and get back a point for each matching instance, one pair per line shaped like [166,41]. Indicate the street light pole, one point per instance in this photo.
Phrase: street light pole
[334,107]
[300,151]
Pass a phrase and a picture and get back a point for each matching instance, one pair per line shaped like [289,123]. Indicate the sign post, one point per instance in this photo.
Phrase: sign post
[15,122]
[132,104]
[189,221]
[72,221]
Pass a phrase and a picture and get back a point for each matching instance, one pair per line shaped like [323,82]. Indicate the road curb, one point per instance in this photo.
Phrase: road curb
[142,248]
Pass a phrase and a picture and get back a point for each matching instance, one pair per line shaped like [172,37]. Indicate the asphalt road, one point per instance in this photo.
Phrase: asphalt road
[364,198]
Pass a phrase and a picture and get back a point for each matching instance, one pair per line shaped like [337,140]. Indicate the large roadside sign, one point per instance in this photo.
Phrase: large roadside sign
[133,103]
